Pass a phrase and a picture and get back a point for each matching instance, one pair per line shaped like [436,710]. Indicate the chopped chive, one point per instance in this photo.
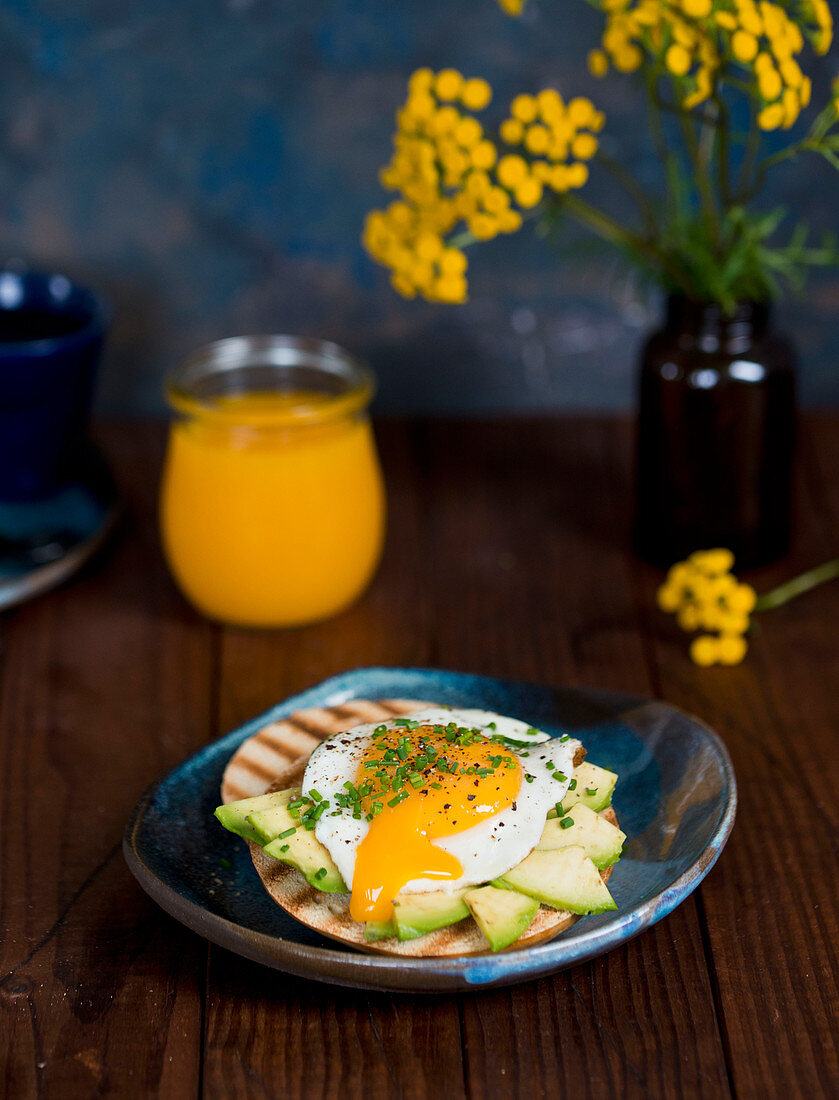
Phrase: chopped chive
[529,778]
[436,786]
[559,810]
[561,776]
[284,847]
[492,726]
[296,803]
[532,731]
[565,737]
[399,798]
[376,808]
[415,780]
[288,832]
[379,730]
[316,795]
[321,873]
[572,786]
[566,823]
[591,790]
[550,765]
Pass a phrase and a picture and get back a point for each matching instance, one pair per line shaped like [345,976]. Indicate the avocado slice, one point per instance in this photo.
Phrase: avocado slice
[375,930]
[593,788]
[564,878]
[602,841]
[416,914]
[301,849]
[269,822]
[502,915]
[234,815]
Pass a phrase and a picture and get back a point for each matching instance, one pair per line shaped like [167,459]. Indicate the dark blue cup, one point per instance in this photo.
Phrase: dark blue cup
[51,335]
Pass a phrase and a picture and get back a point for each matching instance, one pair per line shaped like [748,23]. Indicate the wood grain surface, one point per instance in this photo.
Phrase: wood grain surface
[507,555]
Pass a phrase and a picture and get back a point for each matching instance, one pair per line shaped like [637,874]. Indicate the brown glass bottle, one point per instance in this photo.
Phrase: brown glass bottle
[716,432]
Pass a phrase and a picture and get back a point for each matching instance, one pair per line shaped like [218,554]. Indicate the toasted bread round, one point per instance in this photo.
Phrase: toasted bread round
[275,759]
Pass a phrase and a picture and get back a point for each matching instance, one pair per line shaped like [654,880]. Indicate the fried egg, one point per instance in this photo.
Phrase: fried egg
[438,799]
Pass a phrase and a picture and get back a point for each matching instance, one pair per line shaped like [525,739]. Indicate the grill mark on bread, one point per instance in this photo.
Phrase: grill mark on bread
[285,739]
[255,768]
[315,727]
[358,711]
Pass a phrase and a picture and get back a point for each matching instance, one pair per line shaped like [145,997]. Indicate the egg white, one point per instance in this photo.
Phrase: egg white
[487,849]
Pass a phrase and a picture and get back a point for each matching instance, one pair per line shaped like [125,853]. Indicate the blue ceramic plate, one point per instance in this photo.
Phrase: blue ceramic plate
[675,799]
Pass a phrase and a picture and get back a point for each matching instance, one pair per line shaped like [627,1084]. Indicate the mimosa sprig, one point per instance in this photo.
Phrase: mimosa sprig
[700,63]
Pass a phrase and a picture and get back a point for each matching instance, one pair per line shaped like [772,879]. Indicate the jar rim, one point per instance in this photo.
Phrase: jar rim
[221,367]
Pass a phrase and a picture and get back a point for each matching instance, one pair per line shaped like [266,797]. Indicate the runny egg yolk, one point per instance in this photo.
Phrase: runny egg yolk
[417,785]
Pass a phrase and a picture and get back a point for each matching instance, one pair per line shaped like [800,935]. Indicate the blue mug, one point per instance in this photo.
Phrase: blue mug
[51,336]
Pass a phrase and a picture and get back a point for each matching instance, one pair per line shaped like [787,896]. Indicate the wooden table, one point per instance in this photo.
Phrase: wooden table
[507,555]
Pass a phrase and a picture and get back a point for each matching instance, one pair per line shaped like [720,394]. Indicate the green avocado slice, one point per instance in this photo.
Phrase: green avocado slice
[234,815]
[416,914]
[593,788]
[502,915]
[375,930]
[602,841]
[301,849]
[563,878]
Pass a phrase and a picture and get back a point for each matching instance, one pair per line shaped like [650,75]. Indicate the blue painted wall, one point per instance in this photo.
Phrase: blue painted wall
[208,164]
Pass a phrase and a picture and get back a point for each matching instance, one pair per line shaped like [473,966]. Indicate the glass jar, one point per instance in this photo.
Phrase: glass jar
[715,436]
[272,503]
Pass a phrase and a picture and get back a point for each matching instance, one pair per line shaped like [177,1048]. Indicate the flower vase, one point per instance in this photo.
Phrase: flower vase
[716,433]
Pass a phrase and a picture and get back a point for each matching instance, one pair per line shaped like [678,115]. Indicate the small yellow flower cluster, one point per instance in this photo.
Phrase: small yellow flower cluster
[552,133]
[441,166]
[704,595]
[448,175]
[764,38]
[692,39]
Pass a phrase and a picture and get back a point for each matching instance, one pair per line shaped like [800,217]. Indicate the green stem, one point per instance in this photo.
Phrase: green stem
[723,150]
[702,177]
[605,226]
[805,146]
[632,188]
[747,165]
[787,591]
[462,240]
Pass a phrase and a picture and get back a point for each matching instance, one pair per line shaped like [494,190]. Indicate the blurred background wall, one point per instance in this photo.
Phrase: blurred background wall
[207,164]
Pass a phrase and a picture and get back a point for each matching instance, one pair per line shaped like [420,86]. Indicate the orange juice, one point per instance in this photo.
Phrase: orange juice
[272,506]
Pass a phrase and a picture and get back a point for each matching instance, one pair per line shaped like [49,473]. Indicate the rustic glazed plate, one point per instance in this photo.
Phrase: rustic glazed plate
[675,799]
